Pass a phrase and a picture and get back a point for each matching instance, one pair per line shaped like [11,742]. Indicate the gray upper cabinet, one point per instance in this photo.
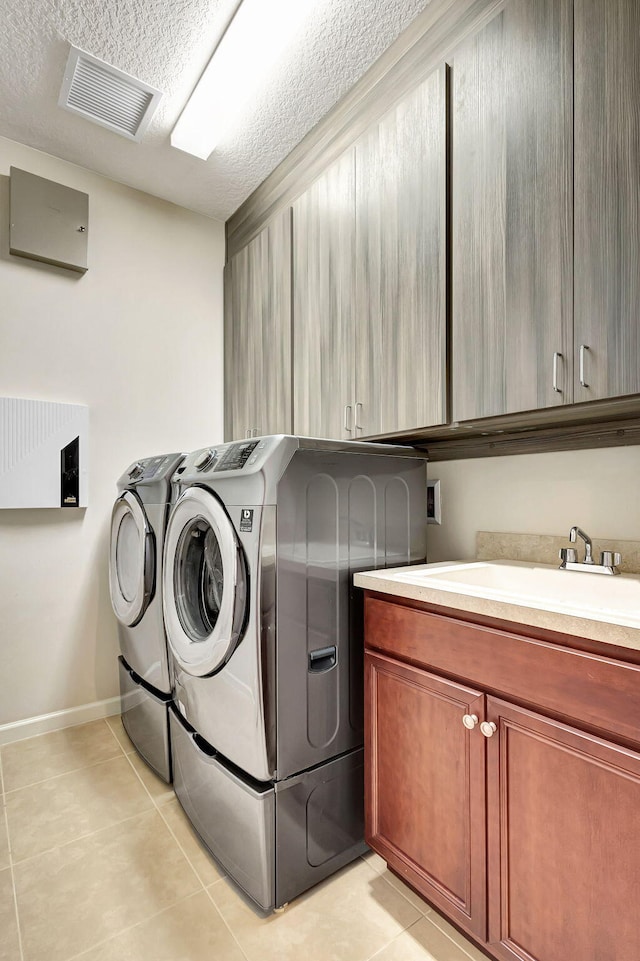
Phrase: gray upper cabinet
[258,334]
[400,350]
[324,303]
[472,255]
[369,279]
[512,131]
[607,198]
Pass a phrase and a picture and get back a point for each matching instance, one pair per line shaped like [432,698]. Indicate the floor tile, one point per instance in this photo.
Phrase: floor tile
[9,945]
[190,931]
[54,812]
[347,918]
[160,791]
[201,861]
[72,898]
[4,841]
[422,942]
[39,758]
[454,935]
[375,861]
[123,739]
[406,891]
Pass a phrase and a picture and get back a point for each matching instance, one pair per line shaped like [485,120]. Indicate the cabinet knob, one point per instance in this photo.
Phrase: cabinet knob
[488,728]
[470,721]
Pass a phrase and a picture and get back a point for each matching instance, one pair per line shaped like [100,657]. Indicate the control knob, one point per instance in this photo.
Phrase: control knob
[204,459]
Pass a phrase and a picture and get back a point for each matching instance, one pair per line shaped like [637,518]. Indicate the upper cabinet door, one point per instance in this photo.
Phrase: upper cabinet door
[258,334]
[324,303]
[607,198]
[512,212]
[400,359]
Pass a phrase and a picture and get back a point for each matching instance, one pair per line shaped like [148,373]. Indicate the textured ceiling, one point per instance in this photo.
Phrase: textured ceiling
[167,43]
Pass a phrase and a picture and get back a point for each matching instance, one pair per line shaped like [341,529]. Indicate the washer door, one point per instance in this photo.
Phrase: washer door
[132,565]
[204,584]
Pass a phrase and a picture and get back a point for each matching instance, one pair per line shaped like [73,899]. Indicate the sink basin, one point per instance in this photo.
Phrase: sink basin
[598,597]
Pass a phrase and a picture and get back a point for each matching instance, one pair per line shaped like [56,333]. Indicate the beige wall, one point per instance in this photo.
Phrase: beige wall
[536,494]
[139,340]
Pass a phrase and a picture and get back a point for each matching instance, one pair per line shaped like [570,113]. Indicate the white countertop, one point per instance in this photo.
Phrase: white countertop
[599,607]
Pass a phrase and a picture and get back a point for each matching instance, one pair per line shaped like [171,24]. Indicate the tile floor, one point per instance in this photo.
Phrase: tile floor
[98,863]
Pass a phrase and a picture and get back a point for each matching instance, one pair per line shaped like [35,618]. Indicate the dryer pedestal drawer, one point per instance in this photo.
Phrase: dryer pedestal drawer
[274,839]
[145,719]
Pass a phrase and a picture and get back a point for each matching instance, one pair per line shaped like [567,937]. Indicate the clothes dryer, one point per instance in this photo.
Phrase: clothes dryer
[266,636]
[138,525]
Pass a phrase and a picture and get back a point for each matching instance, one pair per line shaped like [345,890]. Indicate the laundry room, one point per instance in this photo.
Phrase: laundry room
[337,384]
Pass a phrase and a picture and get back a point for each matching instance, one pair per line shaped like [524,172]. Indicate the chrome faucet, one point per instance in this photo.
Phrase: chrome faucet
[609,560]
[577,532]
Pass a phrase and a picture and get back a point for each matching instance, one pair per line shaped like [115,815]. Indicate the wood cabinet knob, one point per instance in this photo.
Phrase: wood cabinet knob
[488,728]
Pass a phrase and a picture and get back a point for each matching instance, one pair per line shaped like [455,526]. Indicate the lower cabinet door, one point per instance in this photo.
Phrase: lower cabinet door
[425,786]
[563,841]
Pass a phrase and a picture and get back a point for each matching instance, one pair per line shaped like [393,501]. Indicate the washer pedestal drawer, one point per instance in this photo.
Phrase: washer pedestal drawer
[145,719]
[235,817]
[274,839]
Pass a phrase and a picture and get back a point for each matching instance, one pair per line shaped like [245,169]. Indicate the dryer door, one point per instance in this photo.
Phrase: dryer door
[204,583]
[132,559]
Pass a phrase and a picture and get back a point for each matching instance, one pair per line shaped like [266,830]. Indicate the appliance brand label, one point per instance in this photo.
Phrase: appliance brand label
[246,519]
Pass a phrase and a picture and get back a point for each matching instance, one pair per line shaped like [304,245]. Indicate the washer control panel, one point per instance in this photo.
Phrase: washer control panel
[235,456]
[243,455]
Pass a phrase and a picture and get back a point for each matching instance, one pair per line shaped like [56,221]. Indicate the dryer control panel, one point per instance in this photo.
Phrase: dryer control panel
[149,468]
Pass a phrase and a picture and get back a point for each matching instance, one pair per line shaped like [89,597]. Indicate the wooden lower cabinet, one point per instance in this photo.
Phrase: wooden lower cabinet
[522,830]
[563,841]
[425,787]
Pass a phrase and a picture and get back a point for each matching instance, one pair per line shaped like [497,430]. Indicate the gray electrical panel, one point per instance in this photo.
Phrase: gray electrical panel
[48,221]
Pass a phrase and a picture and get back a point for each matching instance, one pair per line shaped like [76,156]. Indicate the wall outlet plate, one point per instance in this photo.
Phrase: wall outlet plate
[434,515]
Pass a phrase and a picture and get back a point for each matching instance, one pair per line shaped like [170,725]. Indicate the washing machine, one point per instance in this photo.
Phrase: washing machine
[138,524]
[266,636]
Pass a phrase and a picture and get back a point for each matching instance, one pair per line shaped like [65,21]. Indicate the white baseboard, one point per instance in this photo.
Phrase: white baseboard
[18,730]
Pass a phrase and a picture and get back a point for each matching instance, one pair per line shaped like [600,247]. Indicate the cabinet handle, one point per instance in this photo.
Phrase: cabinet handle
[470,721]
[357,425]
[583,349]
[488,728]
[556,357]
[347,416]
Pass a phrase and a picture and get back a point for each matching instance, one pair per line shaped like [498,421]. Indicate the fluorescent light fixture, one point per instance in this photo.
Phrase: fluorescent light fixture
[253,42]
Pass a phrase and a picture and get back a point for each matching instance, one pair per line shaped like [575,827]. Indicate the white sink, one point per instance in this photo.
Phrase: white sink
[598,597]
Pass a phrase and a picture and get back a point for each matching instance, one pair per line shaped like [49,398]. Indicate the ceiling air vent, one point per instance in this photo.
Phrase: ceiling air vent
[108,96]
